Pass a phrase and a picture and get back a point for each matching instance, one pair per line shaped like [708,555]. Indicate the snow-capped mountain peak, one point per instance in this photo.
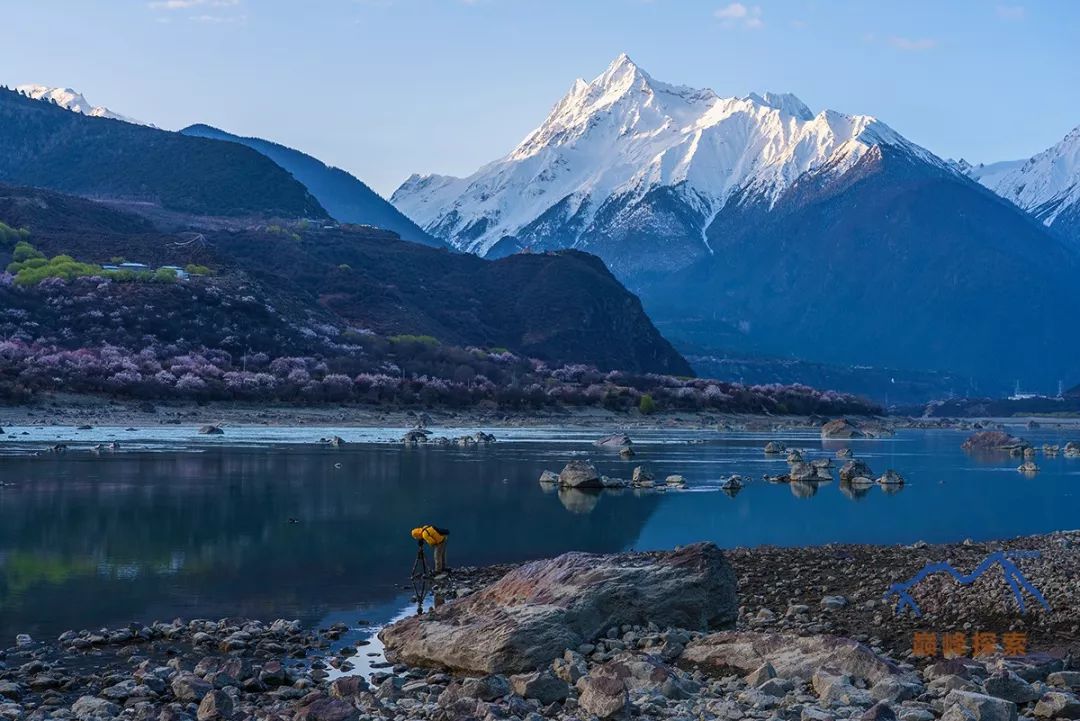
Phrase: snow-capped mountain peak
[1046,185]
[616,140]
[786,102]
[73,101]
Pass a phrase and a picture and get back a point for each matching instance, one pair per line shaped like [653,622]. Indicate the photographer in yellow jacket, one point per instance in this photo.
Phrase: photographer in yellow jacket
[436,538]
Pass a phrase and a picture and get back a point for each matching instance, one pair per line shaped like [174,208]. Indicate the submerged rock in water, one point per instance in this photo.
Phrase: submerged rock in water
[549,478]
[536,612]
[775,448]
[815,471]
[840,428]
[732,483]
[855,469]
[994,441]
[642,478]
[1028,467]
[415,436]
[890,478]
[580,474]
[211,431]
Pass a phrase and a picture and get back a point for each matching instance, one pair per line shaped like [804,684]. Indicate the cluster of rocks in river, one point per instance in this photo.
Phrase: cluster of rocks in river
[854,474]
[582,476]
[786,634]
[999,441]
[422,436]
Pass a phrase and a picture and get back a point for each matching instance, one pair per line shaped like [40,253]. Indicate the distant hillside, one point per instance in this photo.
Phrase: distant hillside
[346,198]
[894,264]
[44,145]
[561,308]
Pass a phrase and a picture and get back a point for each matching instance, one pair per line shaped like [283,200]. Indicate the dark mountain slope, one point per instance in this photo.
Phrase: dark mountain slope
[896,263]
[560,307]
[346,198]
[563,308]
[46,146]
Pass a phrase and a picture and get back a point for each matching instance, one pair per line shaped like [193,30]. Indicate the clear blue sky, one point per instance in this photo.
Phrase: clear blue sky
[384,88]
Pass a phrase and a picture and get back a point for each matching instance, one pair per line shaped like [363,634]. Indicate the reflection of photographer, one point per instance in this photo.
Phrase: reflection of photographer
[436,538]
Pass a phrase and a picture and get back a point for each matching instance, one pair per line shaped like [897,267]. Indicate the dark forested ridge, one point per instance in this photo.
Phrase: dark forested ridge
[47,146]
[562,308]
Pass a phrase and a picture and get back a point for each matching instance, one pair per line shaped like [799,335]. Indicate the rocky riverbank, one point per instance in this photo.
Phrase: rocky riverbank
[808,636]
[75,410]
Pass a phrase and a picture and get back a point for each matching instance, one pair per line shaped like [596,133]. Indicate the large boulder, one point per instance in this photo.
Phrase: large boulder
[791,656]
[579,474]
[994,441]
[534,613]
[840,428]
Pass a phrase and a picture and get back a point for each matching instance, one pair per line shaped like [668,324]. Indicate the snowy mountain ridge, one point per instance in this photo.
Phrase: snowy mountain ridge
[609,143]
[1046,185]
[73,101]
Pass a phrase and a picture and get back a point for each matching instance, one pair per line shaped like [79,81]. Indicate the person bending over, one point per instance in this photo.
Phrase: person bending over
[436,538]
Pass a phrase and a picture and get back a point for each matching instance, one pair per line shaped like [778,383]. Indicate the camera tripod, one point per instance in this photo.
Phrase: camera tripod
[420,576]
[420,567]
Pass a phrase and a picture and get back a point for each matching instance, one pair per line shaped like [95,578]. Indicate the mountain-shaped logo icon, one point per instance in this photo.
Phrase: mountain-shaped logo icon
[1014,577]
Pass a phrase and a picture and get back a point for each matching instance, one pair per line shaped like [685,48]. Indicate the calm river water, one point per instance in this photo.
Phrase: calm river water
[265,523]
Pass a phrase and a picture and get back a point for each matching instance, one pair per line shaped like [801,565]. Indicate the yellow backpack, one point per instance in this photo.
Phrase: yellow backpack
[428,534]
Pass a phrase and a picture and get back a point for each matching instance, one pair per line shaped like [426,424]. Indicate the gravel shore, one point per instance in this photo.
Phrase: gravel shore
[238,668]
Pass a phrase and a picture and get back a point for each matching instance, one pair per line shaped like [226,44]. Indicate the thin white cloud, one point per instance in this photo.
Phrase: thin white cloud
[189,4]
[1011,12]
[206,12]
[912,45]
[217,19]
[737,14]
